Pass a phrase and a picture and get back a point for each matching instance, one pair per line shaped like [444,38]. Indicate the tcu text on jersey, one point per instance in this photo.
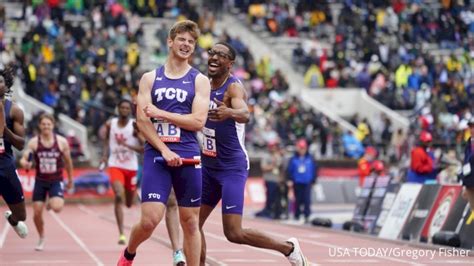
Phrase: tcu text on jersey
[171,94]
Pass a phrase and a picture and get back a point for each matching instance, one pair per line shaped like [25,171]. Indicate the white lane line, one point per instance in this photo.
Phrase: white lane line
[224,250]
[317,243]
[212,260]
[77,239]
[4,234]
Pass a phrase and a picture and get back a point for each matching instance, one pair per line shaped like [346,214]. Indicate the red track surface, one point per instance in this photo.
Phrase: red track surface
[87,235]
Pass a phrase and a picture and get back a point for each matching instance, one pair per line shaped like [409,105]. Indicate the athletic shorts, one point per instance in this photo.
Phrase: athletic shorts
[47,188]
[226,184]
[158,178]
[10,185]
[128,178]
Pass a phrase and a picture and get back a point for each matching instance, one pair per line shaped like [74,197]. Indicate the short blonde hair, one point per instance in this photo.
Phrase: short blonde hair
[47,116]
[184,26]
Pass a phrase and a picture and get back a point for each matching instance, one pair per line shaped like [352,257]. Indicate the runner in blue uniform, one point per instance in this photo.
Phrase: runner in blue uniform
[225,161]
[13,134]
[176,96]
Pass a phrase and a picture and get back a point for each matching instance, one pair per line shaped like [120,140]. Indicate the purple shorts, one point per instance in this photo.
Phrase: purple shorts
[158,178]
[226,184]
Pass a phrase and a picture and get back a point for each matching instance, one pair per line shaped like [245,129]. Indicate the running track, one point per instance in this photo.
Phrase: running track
[87,235]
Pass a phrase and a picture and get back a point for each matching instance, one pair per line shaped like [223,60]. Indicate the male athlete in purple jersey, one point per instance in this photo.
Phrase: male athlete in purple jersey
[225,161]
[176,96]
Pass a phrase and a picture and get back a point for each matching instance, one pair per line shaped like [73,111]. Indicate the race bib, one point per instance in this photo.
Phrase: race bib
[209,142]
[47,165]
[301,168]
[168,132]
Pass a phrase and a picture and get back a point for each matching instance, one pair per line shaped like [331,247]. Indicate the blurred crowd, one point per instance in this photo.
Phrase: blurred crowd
[408,54]
[83,66]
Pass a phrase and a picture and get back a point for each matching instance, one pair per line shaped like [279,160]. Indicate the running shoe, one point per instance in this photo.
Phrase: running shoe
[122,240]
[21,229]
[40,245]
[123,261]
[296,258]
[178,258]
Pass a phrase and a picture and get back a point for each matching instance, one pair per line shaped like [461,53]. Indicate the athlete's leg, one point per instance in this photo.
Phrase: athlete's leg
[117,187]
[156,186]
[204,213]
[130,186]
[18,213]
[38,217]
[211,195]
[12,192]
[117,179]
[187,184]
[39,197]
[236,234]
[151,215]
[189,218]
[233,188]
[172,221]
[56,196]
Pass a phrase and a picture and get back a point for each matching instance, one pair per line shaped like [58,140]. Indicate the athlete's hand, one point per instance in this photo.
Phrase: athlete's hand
[221,113]
[151,110]
[70,185]
[171,158]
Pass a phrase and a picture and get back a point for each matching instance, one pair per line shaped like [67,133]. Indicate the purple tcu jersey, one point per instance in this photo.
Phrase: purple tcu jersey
[223,142]
[175,96]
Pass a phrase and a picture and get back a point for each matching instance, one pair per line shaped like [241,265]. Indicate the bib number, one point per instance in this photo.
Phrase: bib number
[209,142]
[47,165]
[168,132]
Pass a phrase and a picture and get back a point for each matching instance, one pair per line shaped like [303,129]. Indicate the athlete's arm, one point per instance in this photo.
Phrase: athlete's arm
[238,109]
[144,123]
[197,118]
[105,149]
[17,136]
[30,149]
[66,152]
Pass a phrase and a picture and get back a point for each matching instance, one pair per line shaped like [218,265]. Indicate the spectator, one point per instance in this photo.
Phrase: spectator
[271,165]
[302,173]
[422,165]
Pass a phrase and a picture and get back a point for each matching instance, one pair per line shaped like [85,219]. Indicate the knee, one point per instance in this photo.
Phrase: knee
[190,224]
[57,209]
[118,199]
[149,224]
[234,236]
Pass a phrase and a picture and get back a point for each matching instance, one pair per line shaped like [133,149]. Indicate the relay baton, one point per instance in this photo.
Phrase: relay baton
[186,161]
